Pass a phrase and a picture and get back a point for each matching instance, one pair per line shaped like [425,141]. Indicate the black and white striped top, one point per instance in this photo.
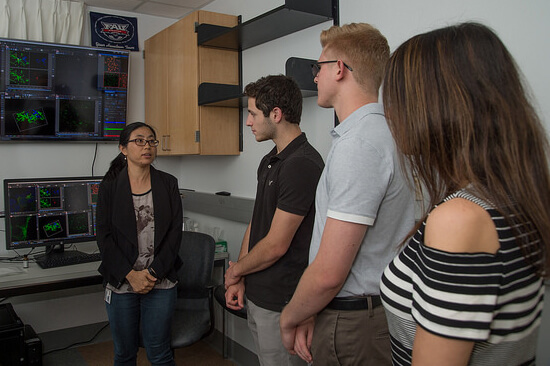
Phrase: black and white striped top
[495,300]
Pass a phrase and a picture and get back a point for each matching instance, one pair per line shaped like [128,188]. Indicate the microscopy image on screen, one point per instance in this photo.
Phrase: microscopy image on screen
[19,59]
[115,72]
[39,60]
[113,64]
[23,200]
[77,116]
[76,198]
[30,119]
[50,198]
[19,77]
[29,116]
[39,77]
[52,226]
[115,80]
[76,75]
[78,223]
[23,228]
[28,68]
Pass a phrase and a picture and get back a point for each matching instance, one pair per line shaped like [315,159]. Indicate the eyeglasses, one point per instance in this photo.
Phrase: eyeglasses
[143,142]
[316,67]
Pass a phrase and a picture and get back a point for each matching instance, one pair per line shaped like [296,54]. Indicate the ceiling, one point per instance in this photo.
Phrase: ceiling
[175,9]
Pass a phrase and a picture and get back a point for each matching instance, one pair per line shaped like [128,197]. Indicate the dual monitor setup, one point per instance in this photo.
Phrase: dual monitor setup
[53,92]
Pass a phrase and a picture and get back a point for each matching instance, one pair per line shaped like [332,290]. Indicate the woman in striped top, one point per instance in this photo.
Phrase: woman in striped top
[467,289]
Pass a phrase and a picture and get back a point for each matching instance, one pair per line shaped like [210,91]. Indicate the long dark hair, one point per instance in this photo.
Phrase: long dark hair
[460,115]
[119,162]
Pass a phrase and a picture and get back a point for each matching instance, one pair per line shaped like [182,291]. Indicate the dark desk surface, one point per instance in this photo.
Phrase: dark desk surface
[16,281]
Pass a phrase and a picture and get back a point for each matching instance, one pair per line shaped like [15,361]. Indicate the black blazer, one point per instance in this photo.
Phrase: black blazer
[117,228]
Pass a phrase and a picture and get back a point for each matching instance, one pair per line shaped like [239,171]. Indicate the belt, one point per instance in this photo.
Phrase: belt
[354,303]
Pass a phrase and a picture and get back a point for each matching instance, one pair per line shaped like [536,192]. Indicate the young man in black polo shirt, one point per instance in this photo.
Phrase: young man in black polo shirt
[275,247]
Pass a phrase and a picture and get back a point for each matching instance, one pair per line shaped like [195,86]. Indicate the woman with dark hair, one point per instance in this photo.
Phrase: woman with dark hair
[468,286]
[139,223]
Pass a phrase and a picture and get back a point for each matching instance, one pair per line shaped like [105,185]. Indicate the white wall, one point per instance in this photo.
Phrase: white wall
[522,26]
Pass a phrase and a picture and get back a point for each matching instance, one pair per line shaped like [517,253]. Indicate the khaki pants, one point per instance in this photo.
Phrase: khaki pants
[264,326]
[351,338]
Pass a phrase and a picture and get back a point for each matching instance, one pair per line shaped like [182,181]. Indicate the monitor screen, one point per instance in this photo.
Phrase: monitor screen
[61,92]
[50,211]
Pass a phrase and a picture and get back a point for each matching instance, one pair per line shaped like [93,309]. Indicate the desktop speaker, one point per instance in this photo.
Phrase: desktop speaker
[33,347]
[12,351]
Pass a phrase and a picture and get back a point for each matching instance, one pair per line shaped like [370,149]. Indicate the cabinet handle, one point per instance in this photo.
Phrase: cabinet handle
[168,143]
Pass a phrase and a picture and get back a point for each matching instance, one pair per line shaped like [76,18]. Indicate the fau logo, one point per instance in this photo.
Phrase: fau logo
[115,31]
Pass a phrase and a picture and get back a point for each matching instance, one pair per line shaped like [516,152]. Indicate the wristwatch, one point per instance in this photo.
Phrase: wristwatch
[152,272]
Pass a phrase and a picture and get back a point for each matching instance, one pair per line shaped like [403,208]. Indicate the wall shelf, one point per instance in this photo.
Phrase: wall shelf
[223,95]
[226,207]
[300,70]
[291,17]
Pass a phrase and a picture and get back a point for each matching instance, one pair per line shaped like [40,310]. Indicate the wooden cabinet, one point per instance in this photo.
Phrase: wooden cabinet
[175,66]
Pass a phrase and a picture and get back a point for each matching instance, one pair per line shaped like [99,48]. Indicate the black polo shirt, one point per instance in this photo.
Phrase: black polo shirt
[287,181]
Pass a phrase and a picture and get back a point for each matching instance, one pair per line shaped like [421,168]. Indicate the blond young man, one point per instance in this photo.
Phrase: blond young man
[364,208]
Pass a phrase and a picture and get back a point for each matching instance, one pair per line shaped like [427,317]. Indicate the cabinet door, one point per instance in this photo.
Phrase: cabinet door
[171,76]
[155,88]
[219,130]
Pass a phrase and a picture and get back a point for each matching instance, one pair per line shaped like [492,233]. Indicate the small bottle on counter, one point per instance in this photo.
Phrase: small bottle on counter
[25,261]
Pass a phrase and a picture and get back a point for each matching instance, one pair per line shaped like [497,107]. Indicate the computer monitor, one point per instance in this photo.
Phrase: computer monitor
[42,212]
[55,92]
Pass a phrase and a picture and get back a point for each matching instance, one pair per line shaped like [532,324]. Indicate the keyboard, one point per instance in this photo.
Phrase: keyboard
[66,258]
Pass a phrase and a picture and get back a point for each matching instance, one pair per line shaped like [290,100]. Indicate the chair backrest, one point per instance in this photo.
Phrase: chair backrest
[197,253]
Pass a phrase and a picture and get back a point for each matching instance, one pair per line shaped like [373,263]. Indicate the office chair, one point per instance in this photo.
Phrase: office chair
[194,312]
[219,295]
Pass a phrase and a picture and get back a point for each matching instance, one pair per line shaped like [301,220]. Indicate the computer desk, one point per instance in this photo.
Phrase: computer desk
[35,279]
